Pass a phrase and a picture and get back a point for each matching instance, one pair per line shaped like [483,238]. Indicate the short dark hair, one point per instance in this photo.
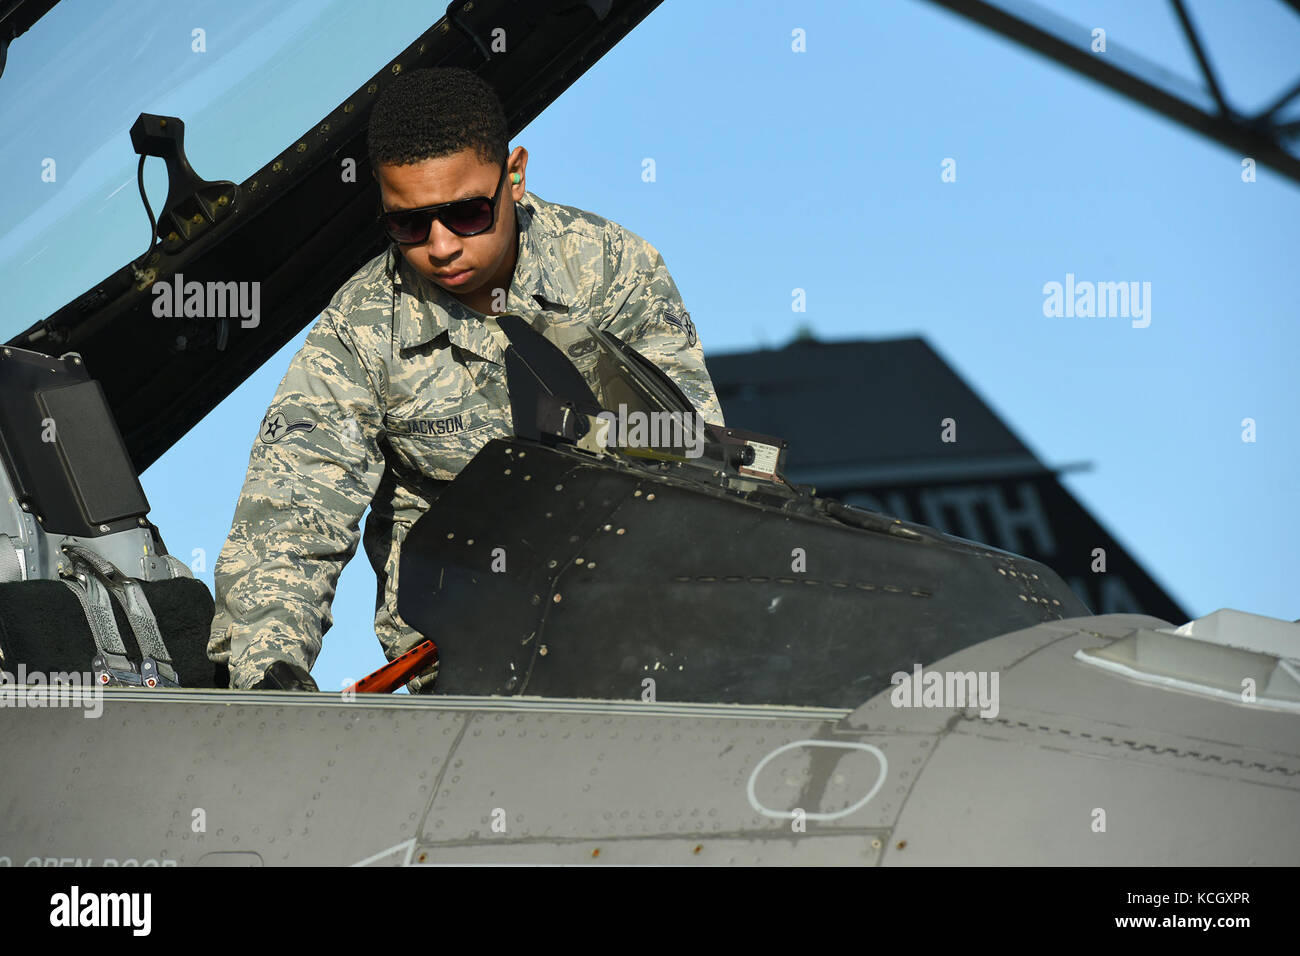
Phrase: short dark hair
[429,113]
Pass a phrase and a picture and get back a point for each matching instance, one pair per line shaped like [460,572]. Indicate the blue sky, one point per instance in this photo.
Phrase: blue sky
[778,170]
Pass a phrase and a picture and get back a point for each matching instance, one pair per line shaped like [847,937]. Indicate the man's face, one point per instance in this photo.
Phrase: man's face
[462,265]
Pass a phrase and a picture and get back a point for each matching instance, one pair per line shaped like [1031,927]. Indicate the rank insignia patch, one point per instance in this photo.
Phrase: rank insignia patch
[274,427]
[683,322]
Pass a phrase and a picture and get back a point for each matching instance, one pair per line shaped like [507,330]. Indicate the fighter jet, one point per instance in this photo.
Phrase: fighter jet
[688,659]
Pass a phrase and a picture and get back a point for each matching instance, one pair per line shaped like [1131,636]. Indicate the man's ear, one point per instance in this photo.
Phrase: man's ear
[521,166]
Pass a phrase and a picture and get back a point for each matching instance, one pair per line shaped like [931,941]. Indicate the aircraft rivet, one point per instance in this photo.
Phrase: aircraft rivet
[901,844]
[542,650]
[507,471]
[559,487]
[650,497]
[556,599]
[577,560]
[595,852]
[450,535]
[522,453]
[698,848]
[609,527]
[528,477]
[223,201]
[1023,598]
[470,541]
[875,844]
[552,563]
[592,565]
[103,527]
[620,530]
[635,494]
[1002,571]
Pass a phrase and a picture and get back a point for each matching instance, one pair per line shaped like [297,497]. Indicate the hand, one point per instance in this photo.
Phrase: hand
[285,676]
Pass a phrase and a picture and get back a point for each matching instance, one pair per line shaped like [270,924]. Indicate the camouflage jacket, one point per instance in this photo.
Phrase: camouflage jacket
[396,388]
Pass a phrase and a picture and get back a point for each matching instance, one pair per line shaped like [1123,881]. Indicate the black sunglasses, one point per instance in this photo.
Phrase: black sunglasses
[464,217]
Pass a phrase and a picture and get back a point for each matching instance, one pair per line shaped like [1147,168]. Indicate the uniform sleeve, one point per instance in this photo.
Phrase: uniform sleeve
[314,468]
[643,307]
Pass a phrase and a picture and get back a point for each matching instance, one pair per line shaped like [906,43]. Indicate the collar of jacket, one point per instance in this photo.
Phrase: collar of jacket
[425,311]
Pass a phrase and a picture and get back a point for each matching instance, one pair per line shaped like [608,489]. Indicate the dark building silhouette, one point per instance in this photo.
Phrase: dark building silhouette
[865,422]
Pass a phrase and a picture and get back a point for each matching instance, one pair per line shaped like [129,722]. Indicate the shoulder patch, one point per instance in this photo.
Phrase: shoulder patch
[681,321]
[275,427]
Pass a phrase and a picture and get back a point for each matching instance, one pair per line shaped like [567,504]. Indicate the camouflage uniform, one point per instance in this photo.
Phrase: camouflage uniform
[396,388]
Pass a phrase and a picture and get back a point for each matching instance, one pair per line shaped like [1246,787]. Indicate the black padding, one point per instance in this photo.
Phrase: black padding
[62,449]
[43,627]
[98,468]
